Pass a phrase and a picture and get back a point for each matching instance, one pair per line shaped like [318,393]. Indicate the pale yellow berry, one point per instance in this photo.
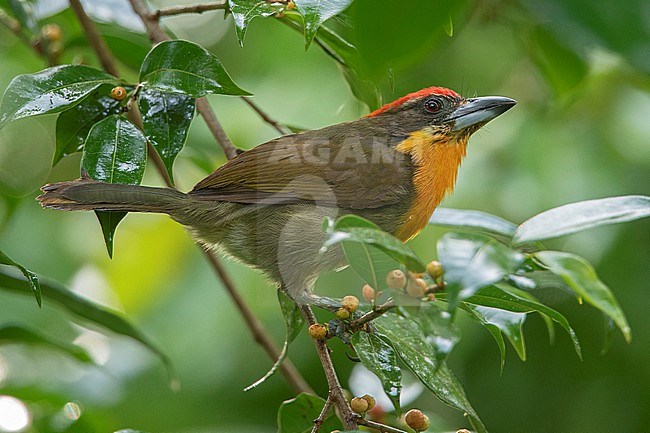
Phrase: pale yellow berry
[342,314]
[350,303]
[416,287]
[463,430]
[118,93]
[368,293]
[371,401]
[317,331]
[396,280]
[434,269]
[52,32]
[359,405]
[417,420]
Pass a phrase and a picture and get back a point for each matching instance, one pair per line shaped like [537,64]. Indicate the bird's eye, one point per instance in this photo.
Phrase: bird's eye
[432,105]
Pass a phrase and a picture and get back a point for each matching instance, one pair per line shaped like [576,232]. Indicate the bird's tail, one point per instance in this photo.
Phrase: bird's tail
[86,194]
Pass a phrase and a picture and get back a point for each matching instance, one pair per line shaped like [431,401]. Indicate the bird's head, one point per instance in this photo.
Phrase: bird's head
[442,114]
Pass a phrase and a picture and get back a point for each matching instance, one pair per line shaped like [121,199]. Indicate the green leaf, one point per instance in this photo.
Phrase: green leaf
[245,11]
[582,279]
[370,263]
[115,151]
[471,262]
[166,118]
[350,228]
[298,414]
[492,329]
[24,12]
[380,358]
[583,215]
[294,322]
[31,277]
[184,67]
[520,302]
[420,357]
[472,219]
[316,12]
[84,309]
[49,91]
[19,334]
[73,125]
[438,326]
[508,322]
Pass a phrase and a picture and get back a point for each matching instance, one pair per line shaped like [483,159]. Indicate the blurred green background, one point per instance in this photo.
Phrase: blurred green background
[580,73]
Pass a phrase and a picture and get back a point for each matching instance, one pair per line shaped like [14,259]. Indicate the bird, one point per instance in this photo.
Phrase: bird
[266,206]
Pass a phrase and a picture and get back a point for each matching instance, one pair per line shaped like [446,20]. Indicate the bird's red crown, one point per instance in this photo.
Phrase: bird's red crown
[415,95]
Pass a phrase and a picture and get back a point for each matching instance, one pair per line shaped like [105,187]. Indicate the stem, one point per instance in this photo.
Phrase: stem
[187,9]
[318,422]
[287,368]
[378,426]
[99,46]
[348,418]
[372,315]
[277,126]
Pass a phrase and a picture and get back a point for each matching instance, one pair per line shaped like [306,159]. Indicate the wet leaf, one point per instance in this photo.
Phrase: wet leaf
[350,228]
[380,358]
[438,326]
[245,11]
[19,334]
[298,414]
[166,118]
[494,330]
[316,12]
[472,219]
[509,323]
[582,279]
[73,125]
[583,215]
[49,91]
[114,152]
[82,308]
[410,343]
[473,261]
[31,277]
[185,67]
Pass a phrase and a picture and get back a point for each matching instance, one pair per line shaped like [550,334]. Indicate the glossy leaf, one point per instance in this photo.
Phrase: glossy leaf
[316,12]
[583,215]
[438,326]
[49,91]
[473,261]
[582,279]
[515,301]
[115,151]
[509,323]
[82,308]
[410,343]
[380,358]
[350,228]
[21,335]
[298,414]
[166,118]
[294,323]
[73,125]
[245,11]
[31,277]
[185,67]
[472,219]
[492,329]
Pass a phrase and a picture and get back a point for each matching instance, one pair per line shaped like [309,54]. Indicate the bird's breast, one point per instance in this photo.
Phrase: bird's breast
[436,164]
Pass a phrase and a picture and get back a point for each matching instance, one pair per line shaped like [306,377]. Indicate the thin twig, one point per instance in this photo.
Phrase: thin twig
[383,428]
[277,126]
[101,49]
[348,418]
[259,334]
[318,422]
[157,34]
[372,315]
[187,9]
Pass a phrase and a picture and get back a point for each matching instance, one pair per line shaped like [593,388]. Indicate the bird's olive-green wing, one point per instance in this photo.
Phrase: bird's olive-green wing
[328,167]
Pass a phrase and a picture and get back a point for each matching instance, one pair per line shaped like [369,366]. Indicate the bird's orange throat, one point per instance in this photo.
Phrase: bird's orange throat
[436,158]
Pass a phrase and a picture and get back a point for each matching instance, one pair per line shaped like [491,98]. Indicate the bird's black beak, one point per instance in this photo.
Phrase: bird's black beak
[479,111]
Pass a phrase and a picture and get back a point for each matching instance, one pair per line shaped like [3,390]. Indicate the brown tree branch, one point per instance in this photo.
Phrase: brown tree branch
[277,126]
[335,395]
[187,9]
[372,315]
[383,428]
[287,368]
